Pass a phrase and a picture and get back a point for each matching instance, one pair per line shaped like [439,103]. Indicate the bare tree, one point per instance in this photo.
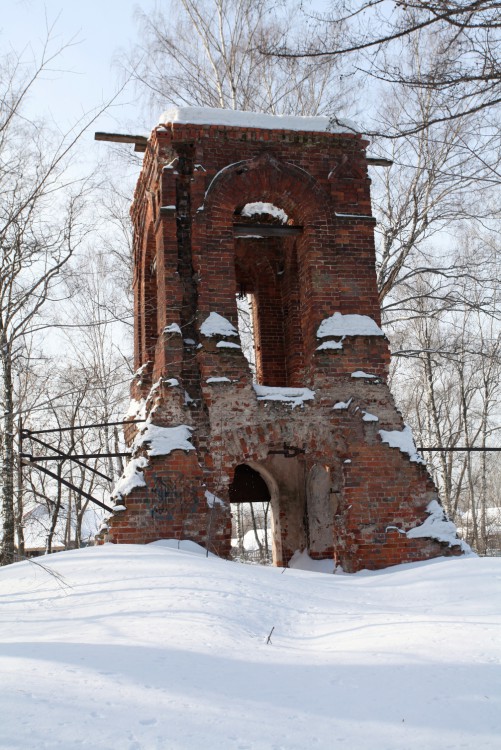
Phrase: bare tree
[41,226]
[207,53]
[448,384]
[88,386]
[466,71]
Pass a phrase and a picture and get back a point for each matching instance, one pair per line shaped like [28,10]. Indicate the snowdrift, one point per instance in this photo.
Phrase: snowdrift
[155,647]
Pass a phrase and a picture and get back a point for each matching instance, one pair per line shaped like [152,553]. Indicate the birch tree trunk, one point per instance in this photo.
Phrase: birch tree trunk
[7,554]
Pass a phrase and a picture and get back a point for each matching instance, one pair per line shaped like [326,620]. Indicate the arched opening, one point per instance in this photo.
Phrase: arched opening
[149,301]
[266,272]
[245,317]
[251,510]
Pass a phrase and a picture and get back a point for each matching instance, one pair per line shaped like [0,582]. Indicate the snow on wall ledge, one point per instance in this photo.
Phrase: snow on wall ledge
[242,119]
[346,325]
[404,441]
[216,325]
[339,324]
[162,441]
[136,409]
[292,396]
[438,527]
[132,477]
[253,209]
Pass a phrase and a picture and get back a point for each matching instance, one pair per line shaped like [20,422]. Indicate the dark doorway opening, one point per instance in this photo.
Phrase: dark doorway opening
[251,516]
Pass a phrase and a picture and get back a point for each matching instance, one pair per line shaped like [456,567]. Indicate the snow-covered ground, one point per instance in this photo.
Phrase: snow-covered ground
[139,648]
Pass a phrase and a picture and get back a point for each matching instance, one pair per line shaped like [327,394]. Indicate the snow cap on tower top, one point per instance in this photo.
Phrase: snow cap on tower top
[241,119]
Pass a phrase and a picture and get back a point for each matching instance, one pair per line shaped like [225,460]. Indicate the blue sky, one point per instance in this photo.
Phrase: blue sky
[86,75]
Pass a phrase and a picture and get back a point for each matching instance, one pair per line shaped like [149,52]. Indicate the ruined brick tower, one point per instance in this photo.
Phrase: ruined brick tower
[278,209]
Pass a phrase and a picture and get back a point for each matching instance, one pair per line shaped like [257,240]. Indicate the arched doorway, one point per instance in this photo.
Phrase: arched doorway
[253,497]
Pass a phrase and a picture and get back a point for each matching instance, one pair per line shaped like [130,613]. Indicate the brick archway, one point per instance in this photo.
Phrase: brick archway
[268,179]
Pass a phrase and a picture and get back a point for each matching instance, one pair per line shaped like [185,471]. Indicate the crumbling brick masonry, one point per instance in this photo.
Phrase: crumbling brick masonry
[318,433]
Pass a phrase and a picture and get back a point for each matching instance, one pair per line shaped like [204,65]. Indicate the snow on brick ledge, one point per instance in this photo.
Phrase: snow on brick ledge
[404,440]
[131,477]
[343,404]
[438,527]
[348,325]
[242,119]
[136,410]
[331,345]
[227,345]
[251,209]
[217,325]
[293,396]
[164,440]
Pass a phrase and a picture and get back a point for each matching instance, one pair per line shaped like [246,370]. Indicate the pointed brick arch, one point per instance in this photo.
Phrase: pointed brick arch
[269,179]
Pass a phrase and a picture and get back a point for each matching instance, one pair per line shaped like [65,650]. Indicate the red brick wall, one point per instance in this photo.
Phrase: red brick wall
[194,184]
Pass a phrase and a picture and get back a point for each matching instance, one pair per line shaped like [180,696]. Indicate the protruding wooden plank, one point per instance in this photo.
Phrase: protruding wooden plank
[374,161]
[139,141]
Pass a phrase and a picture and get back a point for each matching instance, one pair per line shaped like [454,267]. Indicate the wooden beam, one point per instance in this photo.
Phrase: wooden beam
[139,141]
[265,230]
[374,161]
